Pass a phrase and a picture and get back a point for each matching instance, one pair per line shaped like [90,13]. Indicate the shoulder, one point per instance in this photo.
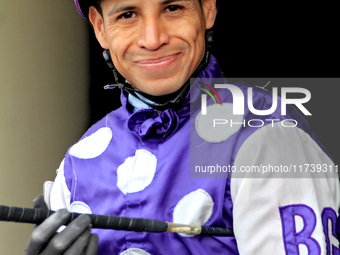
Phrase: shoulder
[97,138]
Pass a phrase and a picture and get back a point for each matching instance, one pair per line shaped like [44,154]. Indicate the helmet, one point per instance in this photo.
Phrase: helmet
[83,7]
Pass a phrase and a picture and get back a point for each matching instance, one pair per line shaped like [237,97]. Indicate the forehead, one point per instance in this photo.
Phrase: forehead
[148,2]
[115,6]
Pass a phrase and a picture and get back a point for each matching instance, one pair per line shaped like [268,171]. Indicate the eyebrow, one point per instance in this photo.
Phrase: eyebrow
[122,8]
[171,1]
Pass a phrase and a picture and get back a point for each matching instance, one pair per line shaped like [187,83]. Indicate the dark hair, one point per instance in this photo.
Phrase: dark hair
[97,5]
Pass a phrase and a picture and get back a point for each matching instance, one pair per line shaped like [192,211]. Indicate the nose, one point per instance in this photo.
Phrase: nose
[153,34]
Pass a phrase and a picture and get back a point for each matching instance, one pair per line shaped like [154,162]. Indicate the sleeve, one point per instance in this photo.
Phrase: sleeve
[57,196]
[288,213]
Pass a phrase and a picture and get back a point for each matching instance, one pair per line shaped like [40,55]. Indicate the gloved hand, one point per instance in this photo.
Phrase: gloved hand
[75,239]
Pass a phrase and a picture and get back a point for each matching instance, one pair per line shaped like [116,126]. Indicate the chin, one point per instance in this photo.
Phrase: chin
[161,88]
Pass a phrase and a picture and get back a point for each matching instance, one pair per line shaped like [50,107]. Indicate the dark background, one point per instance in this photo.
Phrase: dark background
[262,39]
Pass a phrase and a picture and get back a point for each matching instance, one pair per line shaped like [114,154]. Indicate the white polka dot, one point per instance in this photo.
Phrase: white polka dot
[137,172]
[195,208]
[93,145]
[218,124]
[80,207]
[135,251]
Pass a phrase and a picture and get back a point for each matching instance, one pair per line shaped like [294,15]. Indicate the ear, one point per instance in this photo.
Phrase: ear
[209,12]
[97,22]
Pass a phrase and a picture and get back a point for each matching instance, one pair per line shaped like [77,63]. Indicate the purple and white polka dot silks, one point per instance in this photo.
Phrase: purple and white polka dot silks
[137,164]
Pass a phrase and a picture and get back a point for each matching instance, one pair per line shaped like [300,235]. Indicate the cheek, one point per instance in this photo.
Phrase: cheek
[121,40]
[193,34]
[195,38]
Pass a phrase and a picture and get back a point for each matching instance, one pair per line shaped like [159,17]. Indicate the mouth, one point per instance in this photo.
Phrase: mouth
[158,63]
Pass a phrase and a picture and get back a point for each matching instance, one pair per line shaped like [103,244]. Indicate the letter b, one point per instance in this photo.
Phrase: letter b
[291,238]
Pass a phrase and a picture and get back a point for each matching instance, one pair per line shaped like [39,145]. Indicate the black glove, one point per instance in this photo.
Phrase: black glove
[75,239]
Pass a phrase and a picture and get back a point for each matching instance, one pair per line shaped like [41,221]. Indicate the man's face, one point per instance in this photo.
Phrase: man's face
[155,44]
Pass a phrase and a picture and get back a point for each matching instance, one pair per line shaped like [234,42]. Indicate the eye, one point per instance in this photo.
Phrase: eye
[173,8]
[127,15]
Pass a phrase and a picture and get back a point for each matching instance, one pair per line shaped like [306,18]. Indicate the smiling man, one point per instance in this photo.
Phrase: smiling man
[155,45]
[135,162]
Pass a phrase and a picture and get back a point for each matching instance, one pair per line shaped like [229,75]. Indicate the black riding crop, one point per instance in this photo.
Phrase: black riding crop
[36,216]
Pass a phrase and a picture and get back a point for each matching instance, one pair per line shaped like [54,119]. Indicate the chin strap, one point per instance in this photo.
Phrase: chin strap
[174,100]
